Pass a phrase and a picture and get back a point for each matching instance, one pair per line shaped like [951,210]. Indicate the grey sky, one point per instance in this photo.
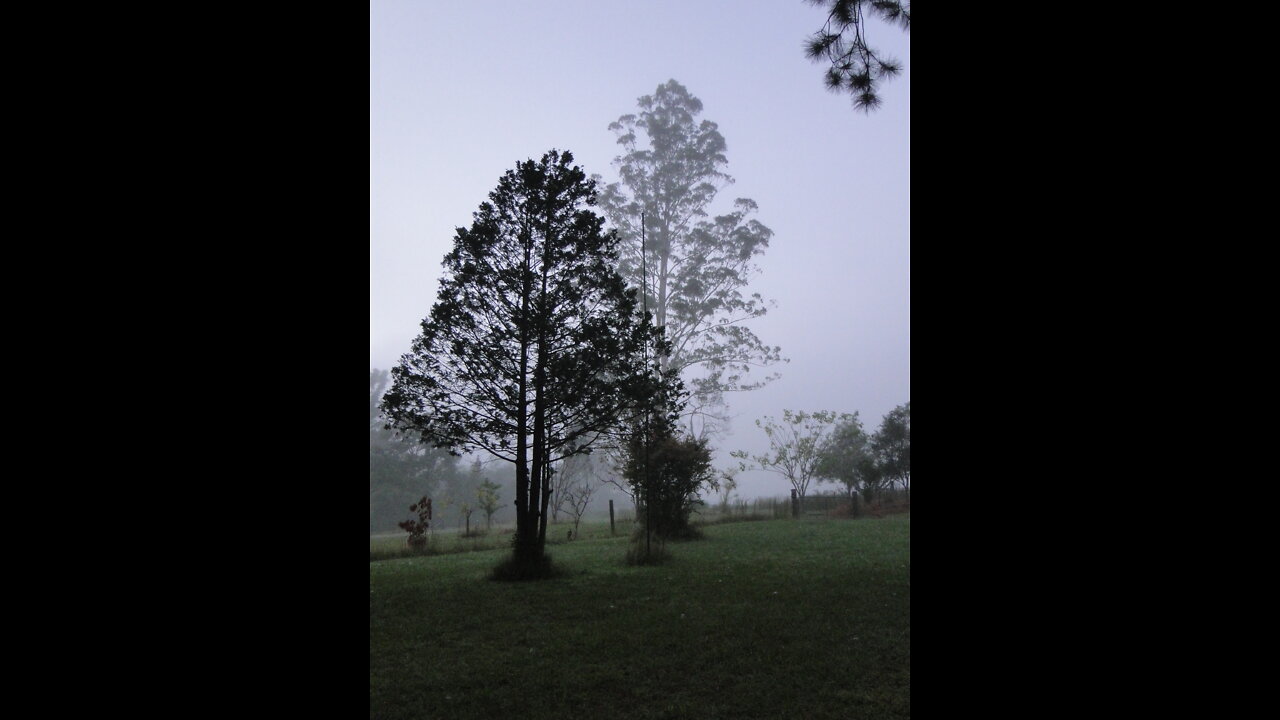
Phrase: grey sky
[461,91]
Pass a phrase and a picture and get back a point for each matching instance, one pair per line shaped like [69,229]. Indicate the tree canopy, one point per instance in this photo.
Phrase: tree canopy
[695,267]
[487,498]
[847,457]
[795,445]
[400,470]
[892,445]
[534,345]
[664,469]
[856,67]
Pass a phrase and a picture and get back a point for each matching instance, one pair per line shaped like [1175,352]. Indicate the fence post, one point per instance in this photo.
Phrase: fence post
[611,530]
[795,503]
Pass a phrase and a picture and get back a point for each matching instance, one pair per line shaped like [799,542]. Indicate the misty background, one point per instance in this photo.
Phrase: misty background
[460,92]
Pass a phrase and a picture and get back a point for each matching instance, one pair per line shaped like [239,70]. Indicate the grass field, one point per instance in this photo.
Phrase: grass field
[785,618]
[389,546]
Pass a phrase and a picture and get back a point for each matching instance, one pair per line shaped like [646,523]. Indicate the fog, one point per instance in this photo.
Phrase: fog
[459,92]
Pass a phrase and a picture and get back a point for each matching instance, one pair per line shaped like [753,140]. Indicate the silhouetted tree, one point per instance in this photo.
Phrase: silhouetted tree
[697,266]
[892,446]
[794,445]
[533,347]
[856,68]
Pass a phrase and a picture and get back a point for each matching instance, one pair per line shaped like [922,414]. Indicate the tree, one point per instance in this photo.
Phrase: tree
[726,483]
[578,497]
[664,471]
[533,347]
[847,457]
[794,445]
[855,67]
[892,446]
[667,473]
[694,267]
[463,494]
[419,530]
[400,470]
[487,499]
[564,476]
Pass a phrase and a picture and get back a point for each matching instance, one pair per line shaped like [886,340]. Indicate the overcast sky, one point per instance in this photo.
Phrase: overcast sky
[461,91]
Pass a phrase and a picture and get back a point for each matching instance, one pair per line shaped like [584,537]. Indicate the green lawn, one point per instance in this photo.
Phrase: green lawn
[386,546]
[785,618]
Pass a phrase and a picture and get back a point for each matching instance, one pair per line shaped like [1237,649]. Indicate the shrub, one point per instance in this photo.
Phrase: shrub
[417,529]
[666,473]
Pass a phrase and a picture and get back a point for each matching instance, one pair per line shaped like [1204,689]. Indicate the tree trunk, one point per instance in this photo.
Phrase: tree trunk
[537,494]
[537,523]
[664,362]
[525,532]
[546,500]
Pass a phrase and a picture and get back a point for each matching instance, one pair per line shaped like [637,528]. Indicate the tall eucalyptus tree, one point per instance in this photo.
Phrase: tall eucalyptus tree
[695,266]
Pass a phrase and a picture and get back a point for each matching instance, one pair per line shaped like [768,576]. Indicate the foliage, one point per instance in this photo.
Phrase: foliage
[487,499]
[667,473]
[847,457]
[695,267]
[724,483]
[892,445]
[854,66]
[419,528]
[533,346]
[400,469]
[794,445]
[463,495]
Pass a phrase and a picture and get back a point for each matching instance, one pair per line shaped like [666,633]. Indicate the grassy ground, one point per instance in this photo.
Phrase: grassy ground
[788,618]
[389,546]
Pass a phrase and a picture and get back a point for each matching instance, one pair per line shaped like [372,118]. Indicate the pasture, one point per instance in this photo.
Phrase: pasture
[779,618]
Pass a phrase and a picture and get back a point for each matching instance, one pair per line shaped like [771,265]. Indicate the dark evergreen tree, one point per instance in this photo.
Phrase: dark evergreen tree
[856,68]
[695,267]
[533,348]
